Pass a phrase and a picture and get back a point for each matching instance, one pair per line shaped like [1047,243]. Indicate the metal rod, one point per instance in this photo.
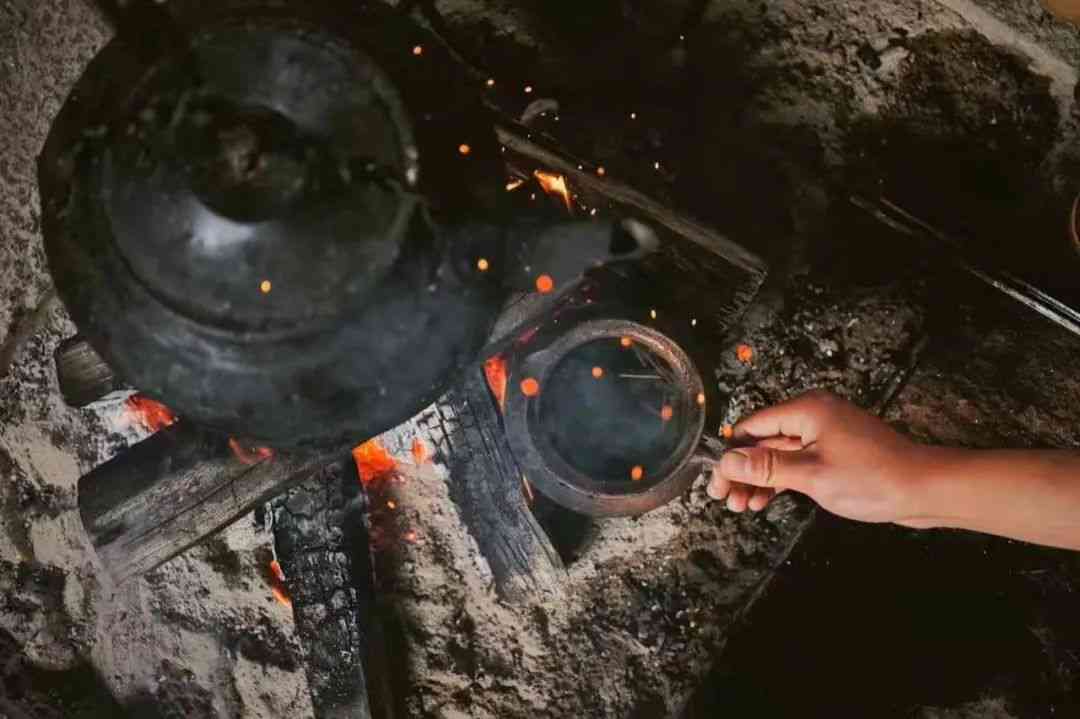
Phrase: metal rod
[1019,290]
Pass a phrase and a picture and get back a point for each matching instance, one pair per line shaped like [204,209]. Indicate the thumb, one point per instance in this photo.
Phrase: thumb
[767,467]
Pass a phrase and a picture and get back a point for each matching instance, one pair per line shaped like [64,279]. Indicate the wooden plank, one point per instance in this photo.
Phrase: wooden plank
[173,489]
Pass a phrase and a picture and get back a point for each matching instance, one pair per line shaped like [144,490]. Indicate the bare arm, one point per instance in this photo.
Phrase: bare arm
[855,465]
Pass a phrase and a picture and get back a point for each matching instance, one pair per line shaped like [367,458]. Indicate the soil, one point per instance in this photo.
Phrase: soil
[760,119]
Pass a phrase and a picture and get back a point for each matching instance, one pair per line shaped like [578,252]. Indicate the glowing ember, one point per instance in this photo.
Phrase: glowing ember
[652,313]
[496,375]
[728,431]
[555,185]
[281,595]
[597,372]
[637,473]
[373,462]
[483,265]
[152,415]
[410,537]
[528,89]
[464,149]
[633,115]
[277,584]
[418,50]
[701,398]
[601,171]
[528,489]
[249,455]
[514,184]
[266,286]
[491,82]
[626,342]
[530,387]
[544,284]
[420,451]
[745,353]
[391,504]
[667,412]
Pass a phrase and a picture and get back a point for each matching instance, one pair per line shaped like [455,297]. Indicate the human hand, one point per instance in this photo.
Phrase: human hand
[848,461]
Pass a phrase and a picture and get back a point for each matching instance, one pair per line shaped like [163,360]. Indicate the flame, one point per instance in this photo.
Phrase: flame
[483,265]
[667,412]
[373,462]
[530,387]
[266,286]
[514,184]
[420,451]
[464,149]
[728,431]
[418,50]
[745,353]
[597,372]
[626,342]
[391,504]
[637,473]
[555,185]
[152,415]
[275,570]
[249,455]
[496,374]
[701,399]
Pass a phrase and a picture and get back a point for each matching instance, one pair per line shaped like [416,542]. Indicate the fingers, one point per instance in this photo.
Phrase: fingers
[766,467]
[788,444]
[799,417]
[718,486]
[760,498]
[739,497]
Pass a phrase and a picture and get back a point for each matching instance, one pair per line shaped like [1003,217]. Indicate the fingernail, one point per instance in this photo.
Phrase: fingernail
[734,464]
[713,489]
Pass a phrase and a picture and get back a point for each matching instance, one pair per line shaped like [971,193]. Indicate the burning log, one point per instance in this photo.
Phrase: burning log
[172,490]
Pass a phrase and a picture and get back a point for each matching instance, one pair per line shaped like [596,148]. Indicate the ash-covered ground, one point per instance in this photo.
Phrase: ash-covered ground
[760,119]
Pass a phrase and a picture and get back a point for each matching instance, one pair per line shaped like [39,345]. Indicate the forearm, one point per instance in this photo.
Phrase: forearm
[1031,495]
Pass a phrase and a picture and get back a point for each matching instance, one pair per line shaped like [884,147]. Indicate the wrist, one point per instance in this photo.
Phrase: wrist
[932,493]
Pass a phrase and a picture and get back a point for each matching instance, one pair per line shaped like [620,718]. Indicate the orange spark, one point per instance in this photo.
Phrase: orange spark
[667,412]
[701,398]
[728,431]
[528,89]
[597,372]
[514,184]
[601,171]
[530,387]
[373,462]
[410,537]
[391,504]
[420,451]
[555,185]
[745,353]
[496,375]
[152,415]
[544,284]
[266,286]
[491,82]
[249,455]
[483,265]
[418,50]
[626,342]
[464,149]
[528,489]
[637,473]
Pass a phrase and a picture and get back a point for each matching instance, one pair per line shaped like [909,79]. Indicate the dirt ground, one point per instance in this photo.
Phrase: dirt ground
[763,119]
